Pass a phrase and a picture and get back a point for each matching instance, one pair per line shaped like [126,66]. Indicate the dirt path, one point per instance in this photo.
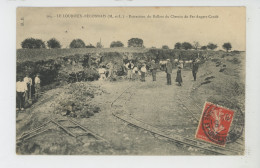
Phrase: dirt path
[154,102]
[158,104]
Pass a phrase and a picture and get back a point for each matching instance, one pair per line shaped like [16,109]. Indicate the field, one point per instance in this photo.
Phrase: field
[221,80]
[34,55]
[45,54]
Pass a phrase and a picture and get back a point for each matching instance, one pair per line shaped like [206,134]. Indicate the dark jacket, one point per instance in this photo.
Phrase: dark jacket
[153,66]
[195,67]
[169,67]
[178,77]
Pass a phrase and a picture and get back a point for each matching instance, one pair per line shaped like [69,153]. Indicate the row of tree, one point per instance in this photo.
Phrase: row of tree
[31,43]
[133,42]
[211,46]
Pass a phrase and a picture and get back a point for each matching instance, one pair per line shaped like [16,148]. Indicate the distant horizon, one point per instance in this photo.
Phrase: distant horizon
[126,46]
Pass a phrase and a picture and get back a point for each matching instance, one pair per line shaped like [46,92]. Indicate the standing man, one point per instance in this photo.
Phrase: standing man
[135,72]
[37,86]
[153,69]
[21,88]
[181,63]
[178,77]
[143,71]
[28,82]
[195,67]
[110,69]
[129,67]
[102,73]
[169,72]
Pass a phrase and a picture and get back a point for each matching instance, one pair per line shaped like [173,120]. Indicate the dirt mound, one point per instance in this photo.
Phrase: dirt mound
[75,101]
[225,82]
[72,100]
[86,75]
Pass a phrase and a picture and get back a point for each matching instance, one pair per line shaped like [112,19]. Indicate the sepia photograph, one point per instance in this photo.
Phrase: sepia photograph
[130,81]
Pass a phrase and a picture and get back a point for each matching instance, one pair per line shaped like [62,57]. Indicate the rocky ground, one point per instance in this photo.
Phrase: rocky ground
[154,102]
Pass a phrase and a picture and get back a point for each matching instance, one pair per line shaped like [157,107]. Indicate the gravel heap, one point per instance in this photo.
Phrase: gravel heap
[75,101]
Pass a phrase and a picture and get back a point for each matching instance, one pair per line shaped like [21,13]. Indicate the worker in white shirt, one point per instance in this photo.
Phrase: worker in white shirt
[129,66]
[28,82]
[143,71]
[110,69]
[21,88]
[37,86]
[102,73]
[181,63]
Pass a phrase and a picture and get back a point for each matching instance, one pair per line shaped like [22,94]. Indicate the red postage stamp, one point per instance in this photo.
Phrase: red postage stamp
[214,124]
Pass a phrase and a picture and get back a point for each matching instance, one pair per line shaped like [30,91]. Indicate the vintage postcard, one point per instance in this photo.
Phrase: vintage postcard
[130,80]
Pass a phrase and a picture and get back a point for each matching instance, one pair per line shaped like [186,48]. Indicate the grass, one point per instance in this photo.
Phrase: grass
[34,55]
[45,54]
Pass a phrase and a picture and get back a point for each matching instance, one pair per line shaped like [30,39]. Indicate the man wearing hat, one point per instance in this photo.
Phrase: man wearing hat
[169,72]
[178,77]
[143,71]
[37,86]
[195,67]
[28,82]
[21,88]
[129,67]
[153,69]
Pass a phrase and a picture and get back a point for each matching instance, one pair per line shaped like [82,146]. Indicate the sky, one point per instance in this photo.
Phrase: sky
[183,24]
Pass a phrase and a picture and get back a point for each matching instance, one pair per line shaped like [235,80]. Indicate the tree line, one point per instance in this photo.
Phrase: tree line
[32,43]
[210,46]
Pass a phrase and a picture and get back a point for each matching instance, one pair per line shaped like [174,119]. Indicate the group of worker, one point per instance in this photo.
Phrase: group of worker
[24,90]
[132,70]
[168,71]
[107,71]
[24,86]
[195,67]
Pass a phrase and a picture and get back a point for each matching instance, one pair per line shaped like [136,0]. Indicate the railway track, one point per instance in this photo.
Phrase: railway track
[118,110]
[69,126]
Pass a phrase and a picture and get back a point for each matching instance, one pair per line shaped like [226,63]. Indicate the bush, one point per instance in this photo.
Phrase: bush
[227,46]
[86,61]
[203,47]
[186,46]
[53,43]
[48,70]
[196,45]
[159,54]
[86,75]
[31,43]
[116,44]
[135,42]
[165,47]
[91,75]
[90,46]
[113,57]
[177,46]
[99,45]
[77,43]
[212,46]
